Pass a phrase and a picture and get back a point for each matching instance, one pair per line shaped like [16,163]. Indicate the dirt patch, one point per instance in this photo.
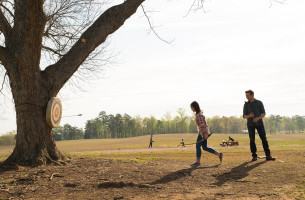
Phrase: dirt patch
[99,178]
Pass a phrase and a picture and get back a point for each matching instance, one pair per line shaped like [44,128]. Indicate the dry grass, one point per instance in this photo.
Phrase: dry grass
[96,146]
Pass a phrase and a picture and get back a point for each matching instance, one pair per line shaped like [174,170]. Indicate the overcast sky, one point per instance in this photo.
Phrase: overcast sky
[216,55]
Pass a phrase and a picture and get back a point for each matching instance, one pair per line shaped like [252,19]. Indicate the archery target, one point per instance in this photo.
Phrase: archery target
[54,112]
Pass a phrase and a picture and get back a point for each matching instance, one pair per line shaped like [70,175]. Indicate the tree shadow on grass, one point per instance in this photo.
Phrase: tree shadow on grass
[237,173]
[173,176]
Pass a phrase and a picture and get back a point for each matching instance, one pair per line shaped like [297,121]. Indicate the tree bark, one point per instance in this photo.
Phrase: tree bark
[34,143]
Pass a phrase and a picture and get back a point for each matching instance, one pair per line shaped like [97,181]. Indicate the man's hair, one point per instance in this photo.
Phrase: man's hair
[250,92]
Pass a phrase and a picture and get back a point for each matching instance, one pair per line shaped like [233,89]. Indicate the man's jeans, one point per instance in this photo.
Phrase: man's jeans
[262,134]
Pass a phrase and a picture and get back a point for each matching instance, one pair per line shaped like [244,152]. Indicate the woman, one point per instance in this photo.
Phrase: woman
[203,131]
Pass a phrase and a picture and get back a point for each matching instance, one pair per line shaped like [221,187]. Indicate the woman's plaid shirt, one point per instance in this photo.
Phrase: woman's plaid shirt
[202,126]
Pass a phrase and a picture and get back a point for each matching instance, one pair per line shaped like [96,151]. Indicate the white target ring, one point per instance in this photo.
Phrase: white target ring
[54,112]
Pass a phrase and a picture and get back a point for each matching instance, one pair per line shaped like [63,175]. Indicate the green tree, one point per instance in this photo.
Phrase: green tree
[288,125]
[236,125]
[151,125]
[299,122]
[225,125]
[139,126]
[277,122]
[57,133]
[214,123]
[89,131]
[145,126]
[160,127]
[167,122]
[192,126]
[8,138]
[270,125]
[182,124]
[112,126]
[72,133]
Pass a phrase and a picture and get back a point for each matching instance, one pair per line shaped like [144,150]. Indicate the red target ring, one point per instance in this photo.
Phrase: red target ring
[54,112]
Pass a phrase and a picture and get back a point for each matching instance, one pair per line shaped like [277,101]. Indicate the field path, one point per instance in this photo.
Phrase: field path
[141,150]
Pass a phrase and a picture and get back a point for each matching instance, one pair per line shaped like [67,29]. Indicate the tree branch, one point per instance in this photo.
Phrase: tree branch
[111,20]
[197,5]
[276,1]
[52,50]
[5,26]
[153,28]
[25,41]
[3,56]
[8,10]
[3,83]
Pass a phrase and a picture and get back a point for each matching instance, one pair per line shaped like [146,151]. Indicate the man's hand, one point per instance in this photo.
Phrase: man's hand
[249,116]
[255,120]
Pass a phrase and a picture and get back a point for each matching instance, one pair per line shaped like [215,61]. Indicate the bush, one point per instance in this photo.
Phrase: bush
[8,139]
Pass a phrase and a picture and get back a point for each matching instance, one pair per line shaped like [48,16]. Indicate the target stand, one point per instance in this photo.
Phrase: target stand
[54,112]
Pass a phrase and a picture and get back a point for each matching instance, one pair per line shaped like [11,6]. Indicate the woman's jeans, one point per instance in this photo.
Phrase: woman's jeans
[204,145]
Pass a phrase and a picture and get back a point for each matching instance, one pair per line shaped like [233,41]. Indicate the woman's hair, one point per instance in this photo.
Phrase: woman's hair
[196,106]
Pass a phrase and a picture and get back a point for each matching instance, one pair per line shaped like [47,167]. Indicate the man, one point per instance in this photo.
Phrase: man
[231,139]
[182,143]
[254,112]
[150,141]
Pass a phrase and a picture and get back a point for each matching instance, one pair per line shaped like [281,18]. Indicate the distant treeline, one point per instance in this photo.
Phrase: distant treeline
[8,138]
[122,126]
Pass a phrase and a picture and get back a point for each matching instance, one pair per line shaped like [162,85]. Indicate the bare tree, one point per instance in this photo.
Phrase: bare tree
[67,32]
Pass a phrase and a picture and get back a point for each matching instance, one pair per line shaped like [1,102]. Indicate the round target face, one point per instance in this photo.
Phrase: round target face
[54,112]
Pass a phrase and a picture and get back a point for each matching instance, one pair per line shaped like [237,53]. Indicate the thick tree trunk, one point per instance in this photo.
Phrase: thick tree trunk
[30,88]
[35,143]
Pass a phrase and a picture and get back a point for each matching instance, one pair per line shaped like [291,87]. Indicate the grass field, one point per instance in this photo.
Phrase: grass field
[127,169]
[166,141]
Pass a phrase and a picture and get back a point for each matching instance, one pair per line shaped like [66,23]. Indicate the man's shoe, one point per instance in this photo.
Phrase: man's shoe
[195,164]
[269,158]
[220,157]
[254,159]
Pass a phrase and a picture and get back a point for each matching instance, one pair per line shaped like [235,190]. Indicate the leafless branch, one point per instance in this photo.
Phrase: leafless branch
[152,28]
[9,2]
[196,5]
[93,68]
[277,1]
[52,50]
[3,82]
[66,21]
[3,55]
[8,10]
[5,26]
[97,33]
